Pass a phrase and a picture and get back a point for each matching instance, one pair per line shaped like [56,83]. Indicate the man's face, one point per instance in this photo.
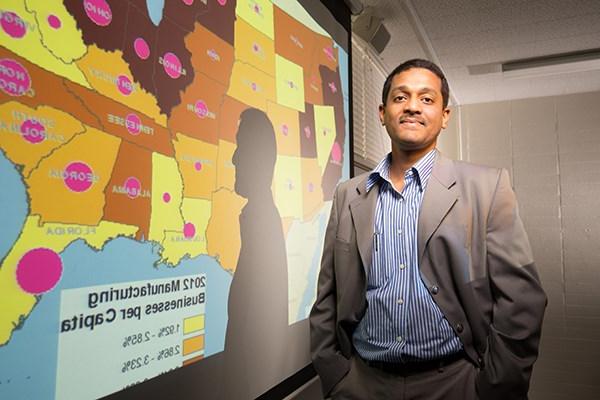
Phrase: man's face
[414,114]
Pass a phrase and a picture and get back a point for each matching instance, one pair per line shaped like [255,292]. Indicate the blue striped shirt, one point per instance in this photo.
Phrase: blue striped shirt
[402,322]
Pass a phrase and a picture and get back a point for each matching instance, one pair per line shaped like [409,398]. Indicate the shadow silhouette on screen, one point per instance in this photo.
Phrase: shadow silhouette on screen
[258,298]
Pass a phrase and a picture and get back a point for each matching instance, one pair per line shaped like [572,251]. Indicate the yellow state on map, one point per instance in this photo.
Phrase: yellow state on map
[287,186]
[17,304]
[109,74]
[258,13]
[251,86]
[254,48]
[176,245]
[286,124]
[225,168]
[290,83]
[198,165]
[324,133]
[68,186]
[167,189]
[223,232]
[28,134]
[312,191]
[66,42]
[30,46]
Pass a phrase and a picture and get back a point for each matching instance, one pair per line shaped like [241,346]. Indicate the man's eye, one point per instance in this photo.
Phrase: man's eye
[399,98]
[427,100]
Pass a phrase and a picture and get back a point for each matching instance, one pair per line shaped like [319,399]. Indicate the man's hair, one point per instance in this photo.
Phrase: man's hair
[416,63]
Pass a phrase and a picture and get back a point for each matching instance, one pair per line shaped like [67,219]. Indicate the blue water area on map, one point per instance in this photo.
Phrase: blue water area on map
[311,290]
[155,10]
[28,361]
[344,77]
[13,205]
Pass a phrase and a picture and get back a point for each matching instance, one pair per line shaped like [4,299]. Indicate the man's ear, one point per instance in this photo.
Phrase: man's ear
[382,114]
[445,117]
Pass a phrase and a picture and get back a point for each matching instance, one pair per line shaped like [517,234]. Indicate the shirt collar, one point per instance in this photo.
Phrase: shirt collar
[422,169]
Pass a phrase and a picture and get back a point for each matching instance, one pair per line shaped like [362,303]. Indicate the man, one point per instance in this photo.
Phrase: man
[427,287]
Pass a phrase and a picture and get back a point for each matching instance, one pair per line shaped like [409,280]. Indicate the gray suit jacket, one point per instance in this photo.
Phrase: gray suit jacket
[474,257]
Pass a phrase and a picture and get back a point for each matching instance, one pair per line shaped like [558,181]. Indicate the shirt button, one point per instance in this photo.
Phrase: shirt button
[400,301]
[434,289]
[402,266]
[399,339]
[399,231]
[459,327]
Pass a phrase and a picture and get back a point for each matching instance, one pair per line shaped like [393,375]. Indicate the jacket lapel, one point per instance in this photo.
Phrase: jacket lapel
[362,209]
[440,195]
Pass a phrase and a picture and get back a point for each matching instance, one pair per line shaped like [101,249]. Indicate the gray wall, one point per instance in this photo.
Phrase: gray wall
[551,147]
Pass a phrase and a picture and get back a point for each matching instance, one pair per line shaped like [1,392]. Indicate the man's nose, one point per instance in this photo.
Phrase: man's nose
[413,105]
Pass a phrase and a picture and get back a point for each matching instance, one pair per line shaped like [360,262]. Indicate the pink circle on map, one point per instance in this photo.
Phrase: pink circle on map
[336,152]
[141,48]
[201,109]
[222,2]
[133,124]
[33,131]
[166,197]
[54,21]
[172,65]
[133,187]
[284,129]
[78,176]
[188,2]
[14,78]
[198,165]
[124,85]
[189,230]
[13,25]
[98,11]
[307,132]
[39,270]
[311,187]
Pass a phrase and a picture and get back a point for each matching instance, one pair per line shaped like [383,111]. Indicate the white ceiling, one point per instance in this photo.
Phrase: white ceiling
[462,33]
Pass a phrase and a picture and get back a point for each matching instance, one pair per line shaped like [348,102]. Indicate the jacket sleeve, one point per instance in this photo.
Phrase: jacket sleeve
[328,361]
[518,301]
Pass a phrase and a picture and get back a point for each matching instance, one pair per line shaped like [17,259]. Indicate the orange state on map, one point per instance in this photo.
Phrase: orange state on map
[254,47]
[325,53]
[223,231]
[28,134]
[124,122]
[211,55]
[293,40]
[128,193]
[197,161]
[43,88]
[109,75]
[198,114]
[225,167]
[313,86]
[68,186]
[230,112]
[287,129]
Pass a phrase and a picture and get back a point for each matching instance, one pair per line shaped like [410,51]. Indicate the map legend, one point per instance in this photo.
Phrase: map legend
[116,335]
